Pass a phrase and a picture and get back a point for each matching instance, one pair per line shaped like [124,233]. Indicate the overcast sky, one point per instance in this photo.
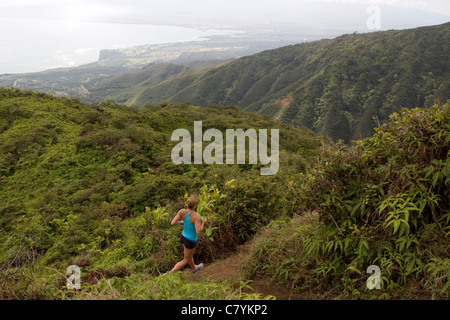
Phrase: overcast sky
[120,10]
[40,34]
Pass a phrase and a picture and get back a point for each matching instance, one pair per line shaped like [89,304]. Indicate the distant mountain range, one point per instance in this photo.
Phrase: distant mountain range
[341,87]
[335,87]
[338,87]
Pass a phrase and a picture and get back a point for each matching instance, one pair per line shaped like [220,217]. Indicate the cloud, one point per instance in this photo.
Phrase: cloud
[439,6]
[24,3]
[197,11]
[253,8]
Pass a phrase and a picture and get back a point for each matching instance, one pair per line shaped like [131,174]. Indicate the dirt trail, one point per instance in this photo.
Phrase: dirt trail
[230,269]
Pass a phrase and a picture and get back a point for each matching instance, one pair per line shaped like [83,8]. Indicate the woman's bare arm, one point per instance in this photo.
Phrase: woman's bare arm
[199,224]
[175,220]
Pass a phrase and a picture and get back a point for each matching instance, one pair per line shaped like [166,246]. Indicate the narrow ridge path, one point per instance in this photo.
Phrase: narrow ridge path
[230,269]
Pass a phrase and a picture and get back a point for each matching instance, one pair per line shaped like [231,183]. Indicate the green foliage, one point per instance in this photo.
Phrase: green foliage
[208,196]
[280,254]
[383,201]
[94,185]
[168,287]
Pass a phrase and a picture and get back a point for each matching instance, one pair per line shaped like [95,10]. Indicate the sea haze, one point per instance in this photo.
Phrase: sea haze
[32,45]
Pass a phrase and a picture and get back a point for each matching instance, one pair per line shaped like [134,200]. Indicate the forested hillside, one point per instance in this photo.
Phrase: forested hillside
[340,87]
[94,185]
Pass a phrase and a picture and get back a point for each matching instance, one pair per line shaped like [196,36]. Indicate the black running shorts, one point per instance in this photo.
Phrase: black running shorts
[187,243]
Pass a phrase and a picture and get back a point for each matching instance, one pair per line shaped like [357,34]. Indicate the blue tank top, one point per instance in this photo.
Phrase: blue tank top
[189,228]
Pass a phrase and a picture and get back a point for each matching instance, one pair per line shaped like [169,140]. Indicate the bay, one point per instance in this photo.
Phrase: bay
[33,45]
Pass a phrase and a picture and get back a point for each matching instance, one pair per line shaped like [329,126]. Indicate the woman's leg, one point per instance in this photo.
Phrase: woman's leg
[188,259]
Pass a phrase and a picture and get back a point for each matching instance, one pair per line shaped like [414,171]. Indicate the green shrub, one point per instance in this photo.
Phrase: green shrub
[379,199]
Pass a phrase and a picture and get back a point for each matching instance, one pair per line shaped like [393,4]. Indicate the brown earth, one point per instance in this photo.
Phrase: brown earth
[283,103]
[231,269]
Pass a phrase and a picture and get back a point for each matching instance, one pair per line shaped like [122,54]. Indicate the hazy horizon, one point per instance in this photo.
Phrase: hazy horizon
[45,34]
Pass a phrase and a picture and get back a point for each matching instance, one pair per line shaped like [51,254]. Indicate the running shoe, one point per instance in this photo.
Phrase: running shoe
[197,268]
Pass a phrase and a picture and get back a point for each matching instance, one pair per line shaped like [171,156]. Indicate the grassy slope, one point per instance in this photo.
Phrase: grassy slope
[94,185]
[122,87]
[81,184]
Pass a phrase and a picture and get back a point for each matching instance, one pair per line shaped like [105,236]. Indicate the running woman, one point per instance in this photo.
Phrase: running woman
[193,225]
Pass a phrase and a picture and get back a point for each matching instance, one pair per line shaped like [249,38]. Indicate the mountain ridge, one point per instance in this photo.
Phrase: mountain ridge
[367,66]
[341,87]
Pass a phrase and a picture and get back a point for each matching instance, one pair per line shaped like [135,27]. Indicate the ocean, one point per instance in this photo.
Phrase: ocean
[33,45]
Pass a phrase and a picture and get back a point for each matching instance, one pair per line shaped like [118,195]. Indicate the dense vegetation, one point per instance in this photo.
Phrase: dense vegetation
[340,87]
[94,185]
[384,201]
